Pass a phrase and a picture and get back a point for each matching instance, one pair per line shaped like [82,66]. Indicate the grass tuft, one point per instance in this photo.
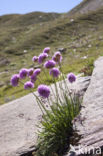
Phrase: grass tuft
[57,127]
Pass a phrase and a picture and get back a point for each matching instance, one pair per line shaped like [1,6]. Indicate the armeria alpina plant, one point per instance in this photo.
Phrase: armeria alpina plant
[58,106]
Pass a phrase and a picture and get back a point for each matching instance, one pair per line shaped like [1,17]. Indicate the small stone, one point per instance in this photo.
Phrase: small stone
[72,20]
[74,50]
[25,51]
[89,46]
[62,50]
[1,84]
[84,57]
[100,38]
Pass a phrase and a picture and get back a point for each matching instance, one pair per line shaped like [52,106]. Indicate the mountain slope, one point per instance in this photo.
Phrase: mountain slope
[82,37]
[14,29]
[18,20]
[86,6]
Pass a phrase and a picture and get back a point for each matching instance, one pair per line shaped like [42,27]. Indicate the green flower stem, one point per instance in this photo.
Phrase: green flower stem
[64,78]
[57,94]
[50,106]
[41,106]
[65,84]
[39,80]
[61,89]
[38,100]
[50,85]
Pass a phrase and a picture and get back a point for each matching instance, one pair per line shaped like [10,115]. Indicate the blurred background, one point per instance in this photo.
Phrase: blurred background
[74,27]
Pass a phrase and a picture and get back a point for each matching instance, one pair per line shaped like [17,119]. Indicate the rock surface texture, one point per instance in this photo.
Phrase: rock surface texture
[90,124]
[86,6]
[19,119]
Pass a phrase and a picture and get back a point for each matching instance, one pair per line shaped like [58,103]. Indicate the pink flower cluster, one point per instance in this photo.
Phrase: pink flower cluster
[45,62]
[31,73]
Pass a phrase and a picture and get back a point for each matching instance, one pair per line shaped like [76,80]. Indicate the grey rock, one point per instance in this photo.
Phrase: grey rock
[90,125]
[74,50]
[25,51]
[86,6]
[72,20]
[4,61]
[89,46]
[84,57]
[19,119]
[62,50]
[100,38]
[1,84]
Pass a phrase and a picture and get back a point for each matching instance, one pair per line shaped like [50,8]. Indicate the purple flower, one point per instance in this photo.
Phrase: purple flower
[44,91]
[35,59]
[30,71]
[28,85]
[57,57]
[49,64]
[71,77]
[42,57]
[54,72]
[15,80]
[37,71]
[23,73]
[46,50]
[33,78]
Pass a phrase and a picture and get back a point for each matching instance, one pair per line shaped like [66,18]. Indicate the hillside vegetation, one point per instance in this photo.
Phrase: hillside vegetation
[23,36]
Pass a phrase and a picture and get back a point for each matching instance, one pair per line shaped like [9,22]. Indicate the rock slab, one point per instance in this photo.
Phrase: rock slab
[19,119]
[90,125]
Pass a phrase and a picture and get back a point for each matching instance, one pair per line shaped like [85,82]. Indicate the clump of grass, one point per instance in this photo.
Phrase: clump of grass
[57,128]
[87,70]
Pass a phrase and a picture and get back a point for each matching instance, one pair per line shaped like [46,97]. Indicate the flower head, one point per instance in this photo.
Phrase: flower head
[57,57]
[42,57]
[28,85]
[23,73]
[54,72]
[49,64]
[46,50]
[71,77]
[30,71]
[44,91]
[37,71]
[33,78]
[35,59]
[15,80]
